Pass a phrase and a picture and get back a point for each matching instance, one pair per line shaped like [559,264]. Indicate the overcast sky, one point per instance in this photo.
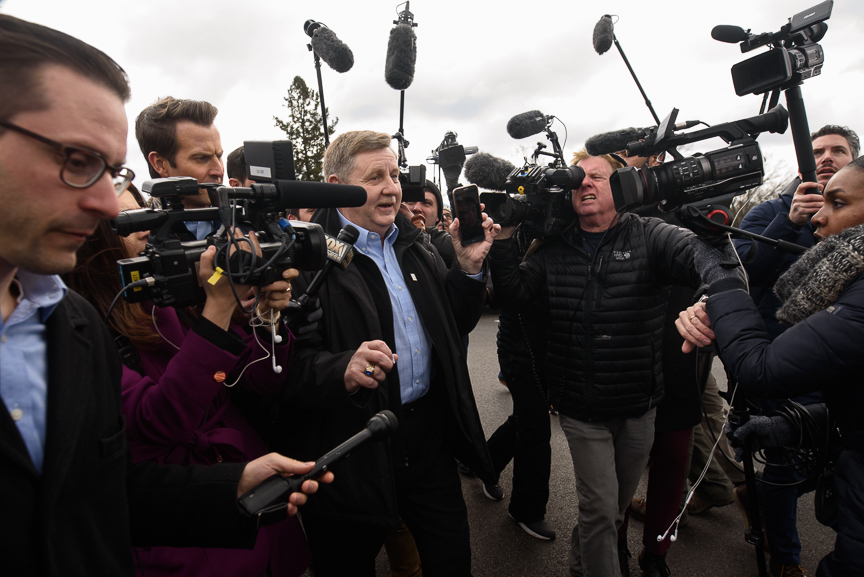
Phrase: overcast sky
[478,64]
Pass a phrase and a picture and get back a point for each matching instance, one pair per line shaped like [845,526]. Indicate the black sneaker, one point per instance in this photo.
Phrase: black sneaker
[464,469]
[624,557]
[538,529]
[494,492]
[653,565]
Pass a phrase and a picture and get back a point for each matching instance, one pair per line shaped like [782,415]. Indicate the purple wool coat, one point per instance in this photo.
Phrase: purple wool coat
[180,412]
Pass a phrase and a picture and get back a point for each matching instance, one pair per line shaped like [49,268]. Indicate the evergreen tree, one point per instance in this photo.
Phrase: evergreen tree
[303,128]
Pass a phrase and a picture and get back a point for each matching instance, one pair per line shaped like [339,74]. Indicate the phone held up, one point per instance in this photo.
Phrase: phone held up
[466,202]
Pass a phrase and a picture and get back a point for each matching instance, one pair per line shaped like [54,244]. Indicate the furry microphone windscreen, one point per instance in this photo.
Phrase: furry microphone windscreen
[487,171]
[331,50]
[614,141]
[603,35]
[526,124]
[401,56]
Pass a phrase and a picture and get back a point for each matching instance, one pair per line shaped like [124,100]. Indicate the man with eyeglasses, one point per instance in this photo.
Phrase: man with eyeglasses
[71,504]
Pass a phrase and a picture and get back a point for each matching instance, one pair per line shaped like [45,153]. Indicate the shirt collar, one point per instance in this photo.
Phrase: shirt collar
[45,291]
[364,240]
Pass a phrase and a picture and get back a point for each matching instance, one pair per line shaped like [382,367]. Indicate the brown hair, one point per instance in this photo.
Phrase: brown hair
[847,133]
[26,48]
[236,164]
[339,156]
[95,277]
[156,126]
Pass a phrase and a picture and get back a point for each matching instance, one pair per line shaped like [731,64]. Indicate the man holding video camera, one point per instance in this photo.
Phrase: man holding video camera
[389,339]
[72,504]
[178,138]
[822,298]
[603,282]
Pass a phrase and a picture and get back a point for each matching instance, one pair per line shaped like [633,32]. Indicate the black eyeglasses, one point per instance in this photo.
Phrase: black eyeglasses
[81,168]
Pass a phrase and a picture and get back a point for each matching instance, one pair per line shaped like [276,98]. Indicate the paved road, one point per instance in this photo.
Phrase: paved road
[710,545]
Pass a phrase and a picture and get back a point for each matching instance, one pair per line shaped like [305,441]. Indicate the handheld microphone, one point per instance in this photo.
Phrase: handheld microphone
[339,251]
[527,124]
[328,47]
[275,490]
[487,171]
[401,56]
[604,35]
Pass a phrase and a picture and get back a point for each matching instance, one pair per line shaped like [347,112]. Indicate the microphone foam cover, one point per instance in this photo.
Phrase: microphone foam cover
[487,171]
[331,50]
[614,141]
[401,56]
[603,35]
[526,124]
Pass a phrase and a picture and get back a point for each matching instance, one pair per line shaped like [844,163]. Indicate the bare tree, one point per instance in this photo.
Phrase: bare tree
[777,177]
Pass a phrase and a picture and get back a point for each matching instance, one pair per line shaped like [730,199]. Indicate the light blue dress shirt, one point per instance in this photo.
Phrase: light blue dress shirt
[412,342]
[23,358]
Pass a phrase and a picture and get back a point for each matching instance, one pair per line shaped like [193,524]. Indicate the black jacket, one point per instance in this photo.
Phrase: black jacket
[821,352]
[81,515]
[318,413]
[606,314]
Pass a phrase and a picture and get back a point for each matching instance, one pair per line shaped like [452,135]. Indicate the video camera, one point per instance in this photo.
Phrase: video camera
[171,263]
[537,197]
[718,175]
[450,157]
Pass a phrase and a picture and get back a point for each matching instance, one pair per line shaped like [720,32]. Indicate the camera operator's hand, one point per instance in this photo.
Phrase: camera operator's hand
[506,232]
[277,295]
[471,257]
[694,325]
[806,202]
[760,433]
[220,303]
[717,266]
[302,321]
[265,467]
[369,366]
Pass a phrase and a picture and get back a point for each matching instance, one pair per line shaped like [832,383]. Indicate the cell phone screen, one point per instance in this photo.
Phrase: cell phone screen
[466,201]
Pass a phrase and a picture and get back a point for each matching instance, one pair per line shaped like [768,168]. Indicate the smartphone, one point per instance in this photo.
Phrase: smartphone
[466,202]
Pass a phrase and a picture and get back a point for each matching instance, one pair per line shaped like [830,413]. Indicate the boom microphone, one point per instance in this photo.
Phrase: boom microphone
[401,56]
[603,35]
[339,251]
[329,48]
[487,171]
[527,124]
[275,490]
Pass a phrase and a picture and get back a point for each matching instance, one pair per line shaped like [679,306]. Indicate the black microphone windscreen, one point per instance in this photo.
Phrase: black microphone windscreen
[310,194]
[487,171]
[332,50]
[401,56]
[614,141]
[349,234]
[526,124]
[603,35]
[727,33]
[382,424]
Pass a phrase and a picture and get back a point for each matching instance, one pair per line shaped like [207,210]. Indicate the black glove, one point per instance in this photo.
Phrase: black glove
[760,433]
[302,321]
[715,265]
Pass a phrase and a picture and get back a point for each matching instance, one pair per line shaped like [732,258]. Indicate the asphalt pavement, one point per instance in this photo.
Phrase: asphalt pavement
[712,544]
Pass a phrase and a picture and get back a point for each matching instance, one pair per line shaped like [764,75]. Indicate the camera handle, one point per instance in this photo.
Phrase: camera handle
[756,535]
[801,133]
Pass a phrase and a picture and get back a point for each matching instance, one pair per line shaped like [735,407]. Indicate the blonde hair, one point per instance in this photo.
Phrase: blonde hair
[339,156]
